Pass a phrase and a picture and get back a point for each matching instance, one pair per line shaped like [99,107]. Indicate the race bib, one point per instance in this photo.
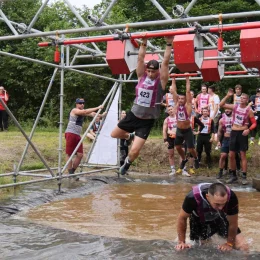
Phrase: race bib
[205,129]
[181,116]
[171,102]
[144,97]
[239,120]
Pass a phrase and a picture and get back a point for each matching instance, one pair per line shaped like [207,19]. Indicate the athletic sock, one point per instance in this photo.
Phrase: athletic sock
[173,167]
[220,170]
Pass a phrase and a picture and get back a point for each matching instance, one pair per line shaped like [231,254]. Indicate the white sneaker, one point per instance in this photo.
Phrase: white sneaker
[184,173]
[172,172]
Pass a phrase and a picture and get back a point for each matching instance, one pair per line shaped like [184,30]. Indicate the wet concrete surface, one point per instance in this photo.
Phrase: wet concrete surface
[91,220]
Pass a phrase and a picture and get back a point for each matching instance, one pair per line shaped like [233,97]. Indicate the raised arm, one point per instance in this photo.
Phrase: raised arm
[174,91]
[165,64]
[188,95]
[140,69]
[85,112]
[224,100]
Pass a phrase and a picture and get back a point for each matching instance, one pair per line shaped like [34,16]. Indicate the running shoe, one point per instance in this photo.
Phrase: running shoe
[179,171]
[191,171]
[196,163]
[251,142]
[173,172]
[184,173]
[244,181]
[130,140]
[259,142]
[183,162]
[220,175]
[232,179]
[71,172]
[124,168]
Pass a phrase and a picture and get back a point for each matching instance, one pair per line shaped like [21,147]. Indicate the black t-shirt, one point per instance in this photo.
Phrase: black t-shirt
[190,203]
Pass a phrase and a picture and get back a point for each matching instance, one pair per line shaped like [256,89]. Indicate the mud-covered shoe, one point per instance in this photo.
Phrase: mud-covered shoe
[124,168]
[220,175]
[244,181]
[232,179]
[130,140]
[184,173]
[196,163]
[172,173]
[183,162]
[71,172]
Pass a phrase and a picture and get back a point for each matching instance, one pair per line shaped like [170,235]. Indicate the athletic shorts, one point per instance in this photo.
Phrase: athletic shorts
[184,135]
[141,127]
[72,141]
[203,231]
[171,142]
[225,145]
[238,142]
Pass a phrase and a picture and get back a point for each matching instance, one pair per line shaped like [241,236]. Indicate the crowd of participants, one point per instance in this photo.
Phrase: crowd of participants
[229,130]
[192,124]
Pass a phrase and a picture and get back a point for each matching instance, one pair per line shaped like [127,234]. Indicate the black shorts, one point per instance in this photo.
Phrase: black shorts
[171,142]
[238,142]
[225,145]
[141,127]
[203,231]
[184,135]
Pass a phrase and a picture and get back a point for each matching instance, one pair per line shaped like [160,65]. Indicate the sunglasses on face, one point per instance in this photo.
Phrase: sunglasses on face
[81,103]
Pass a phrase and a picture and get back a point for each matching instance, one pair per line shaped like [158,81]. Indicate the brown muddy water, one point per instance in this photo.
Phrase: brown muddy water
[116,221]
[137,211]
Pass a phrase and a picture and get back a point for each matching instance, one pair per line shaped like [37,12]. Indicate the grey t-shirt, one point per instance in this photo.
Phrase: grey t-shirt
[149,112]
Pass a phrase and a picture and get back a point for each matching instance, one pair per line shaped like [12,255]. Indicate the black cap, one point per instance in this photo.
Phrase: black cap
[153,64]
[80,100]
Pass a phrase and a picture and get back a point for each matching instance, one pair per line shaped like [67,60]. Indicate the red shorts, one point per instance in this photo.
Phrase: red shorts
[72,141]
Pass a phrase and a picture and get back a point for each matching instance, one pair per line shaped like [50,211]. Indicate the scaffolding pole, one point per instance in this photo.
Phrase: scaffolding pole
[135,25]
[155,34]
[37,119]
[26,137]
[37,15]
[55,178]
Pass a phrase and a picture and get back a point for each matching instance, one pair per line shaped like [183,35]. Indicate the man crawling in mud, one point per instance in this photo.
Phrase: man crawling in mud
[212,209]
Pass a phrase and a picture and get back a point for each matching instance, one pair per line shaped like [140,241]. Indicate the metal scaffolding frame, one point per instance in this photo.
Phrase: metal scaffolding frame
[230,55]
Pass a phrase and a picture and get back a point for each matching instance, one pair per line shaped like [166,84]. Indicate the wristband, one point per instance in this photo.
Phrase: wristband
[169,44]
[165,140]
[229,244]
[143,44]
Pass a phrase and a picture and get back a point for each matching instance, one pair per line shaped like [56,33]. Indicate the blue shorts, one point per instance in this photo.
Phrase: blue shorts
[225,145]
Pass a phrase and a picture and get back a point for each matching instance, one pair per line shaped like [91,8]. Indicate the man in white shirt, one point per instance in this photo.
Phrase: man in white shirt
[214,109]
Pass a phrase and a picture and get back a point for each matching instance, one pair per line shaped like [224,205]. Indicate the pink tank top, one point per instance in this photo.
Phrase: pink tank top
[226,123]
[240,115]
[203,100]
[146,91]
[182,114]
[171,122]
